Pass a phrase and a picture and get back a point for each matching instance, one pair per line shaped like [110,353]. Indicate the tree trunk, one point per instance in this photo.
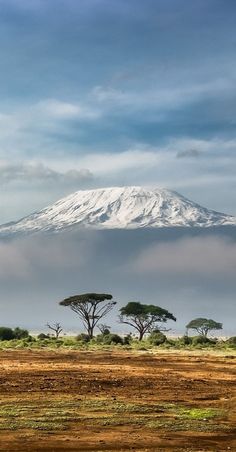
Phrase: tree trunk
[141,334]
[90,332]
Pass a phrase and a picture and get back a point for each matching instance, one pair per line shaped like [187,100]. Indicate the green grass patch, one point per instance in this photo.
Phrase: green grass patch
[198,413]
[56,415]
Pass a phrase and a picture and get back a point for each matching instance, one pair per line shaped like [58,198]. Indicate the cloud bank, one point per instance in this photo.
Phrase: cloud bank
[192,257]
[190,273]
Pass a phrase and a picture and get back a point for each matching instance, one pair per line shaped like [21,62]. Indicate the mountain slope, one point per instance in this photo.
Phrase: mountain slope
[119,208]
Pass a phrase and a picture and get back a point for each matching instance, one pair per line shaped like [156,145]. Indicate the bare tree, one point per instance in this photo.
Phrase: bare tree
[56,327]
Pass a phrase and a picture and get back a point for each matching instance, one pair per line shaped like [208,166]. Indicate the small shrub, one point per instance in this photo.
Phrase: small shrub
[83,338]
[108,339]
[111,338]
[106,332]
[99,339]
[185,340]
[29,339]
[127,339]
[200,340]
[69,342]
[157,338]
[232,341]
[42,336]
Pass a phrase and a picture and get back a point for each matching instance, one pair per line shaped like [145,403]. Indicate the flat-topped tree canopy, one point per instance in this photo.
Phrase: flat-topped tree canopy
[203,326]
[89,309]
[85,298]
[145,310]
[144,317]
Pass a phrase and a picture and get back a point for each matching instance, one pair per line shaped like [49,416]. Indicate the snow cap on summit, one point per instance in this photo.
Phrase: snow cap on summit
[119,208]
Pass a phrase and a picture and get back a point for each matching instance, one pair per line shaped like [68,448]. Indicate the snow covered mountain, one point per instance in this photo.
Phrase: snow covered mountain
[119,208]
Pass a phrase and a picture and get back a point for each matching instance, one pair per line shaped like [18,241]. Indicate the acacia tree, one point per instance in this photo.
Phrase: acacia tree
[144,318]
[203,326]
[90,308]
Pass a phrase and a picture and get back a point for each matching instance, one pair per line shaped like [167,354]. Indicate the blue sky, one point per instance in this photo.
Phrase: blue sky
[118,92]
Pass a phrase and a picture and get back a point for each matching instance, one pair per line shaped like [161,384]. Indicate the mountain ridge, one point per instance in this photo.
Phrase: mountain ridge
[129,207]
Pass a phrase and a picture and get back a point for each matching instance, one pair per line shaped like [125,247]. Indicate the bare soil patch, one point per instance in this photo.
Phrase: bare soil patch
[116,401]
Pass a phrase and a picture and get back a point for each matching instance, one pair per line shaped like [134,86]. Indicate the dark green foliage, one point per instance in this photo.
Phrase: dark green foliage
[29,339]
[108,339]
[99,339]
[185,340]
[199,340]
[89,308]
[6,334]
[83,338]
[112,338]
[20,333]
[157,338]
[104,329]
[127,339]
[203,326]
[144,317]
[106,332]
[232,341]
[42,336]
[85,298]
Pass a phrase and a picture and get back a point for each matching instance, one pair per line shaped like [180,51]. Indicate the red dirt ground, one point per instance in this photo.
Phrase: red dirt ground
[116,401]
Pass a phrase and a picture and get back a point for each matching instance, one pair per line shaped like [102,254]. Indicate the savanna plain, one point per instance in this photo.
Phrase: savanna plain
[117,400]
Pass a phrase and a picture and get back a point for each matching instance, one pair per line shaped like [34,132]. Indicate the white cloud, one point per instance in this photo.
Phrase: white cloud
[35,127]
[107,163]
[65,110]
[163,157]
[35,172]
[161,97]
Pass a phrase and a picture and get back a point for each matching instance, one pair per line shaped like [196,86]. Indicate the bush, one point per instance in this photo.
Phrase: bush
[6,334]
[232,341]
[157,338]
[127,339]
[105,332]
[83,338]
[42,336]
[69,342]
[112,338]
[20,333]
[99,339]
[108,339]
[200,340]
[185,340]
[28,339]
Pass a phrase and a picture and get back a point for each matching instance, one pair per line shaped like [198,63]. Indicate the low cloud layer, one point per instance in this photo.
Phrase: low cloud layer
[190,273]
[38,257]
[193,257]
